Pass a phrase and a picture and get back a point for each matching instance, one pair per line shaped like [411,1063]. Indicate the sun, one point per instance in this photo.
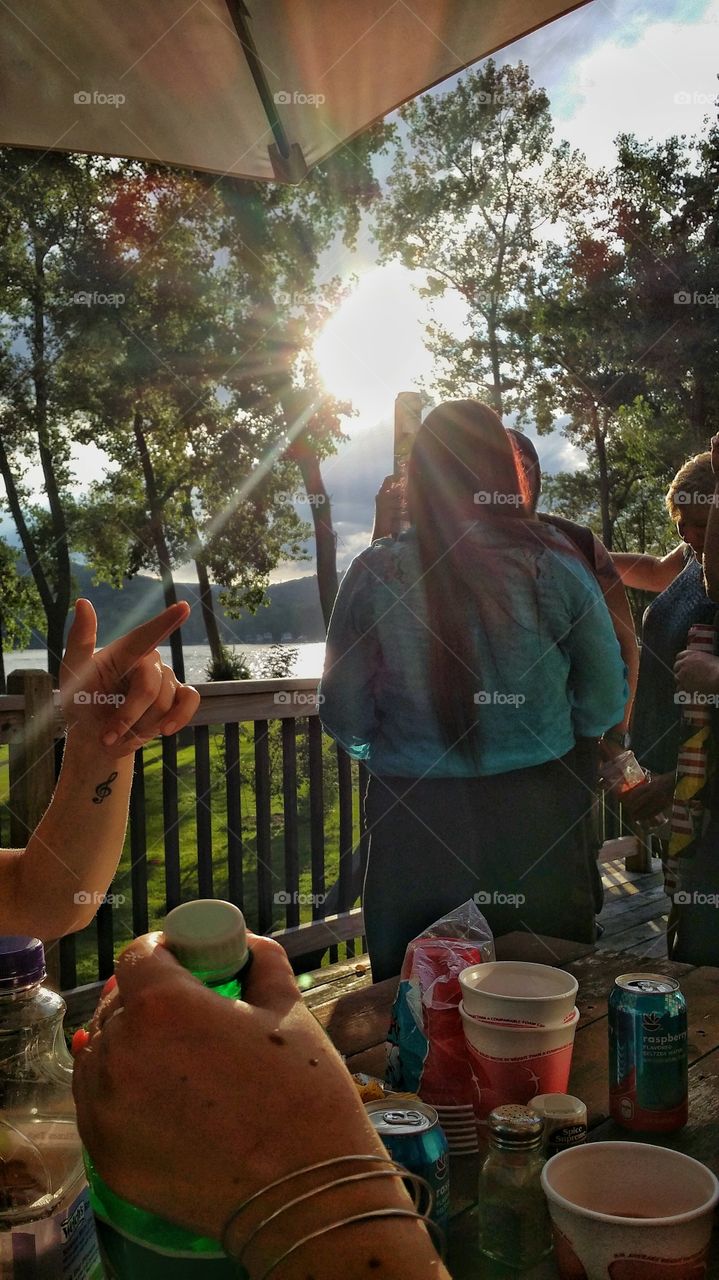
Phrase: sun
[373,347]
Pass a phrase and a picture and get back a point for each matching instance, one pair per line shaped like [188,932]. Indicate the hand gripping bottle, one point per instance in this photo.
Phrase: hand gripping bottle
[46,1226]
[209,938]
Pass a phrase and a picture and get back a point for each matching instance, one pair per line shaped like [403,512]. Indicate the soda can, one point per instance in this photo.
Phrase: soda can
[413,1137]
[648,1091]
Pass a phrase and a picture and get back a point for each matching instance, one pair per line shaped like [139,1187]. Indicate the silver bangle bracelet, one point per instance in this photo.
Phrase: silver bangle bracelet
[418,1184]
[418,1187]
[289,1177]
[359,1217]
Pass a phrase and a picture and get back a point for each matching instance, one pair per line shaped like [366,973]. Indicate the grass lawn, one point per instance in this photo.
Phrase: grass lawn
[86,941]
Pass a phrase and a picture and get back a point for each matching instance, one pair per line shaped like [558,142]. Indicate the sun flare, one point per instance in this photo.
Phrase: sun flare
[373,347]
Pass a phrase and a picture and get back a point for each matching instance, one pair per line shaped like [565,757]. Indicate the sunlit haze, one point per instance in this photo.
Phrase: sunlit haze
[374,346]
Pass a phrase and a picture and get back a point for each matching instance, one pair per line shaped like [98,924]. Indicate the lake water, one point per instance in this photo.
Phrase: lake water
[310,658]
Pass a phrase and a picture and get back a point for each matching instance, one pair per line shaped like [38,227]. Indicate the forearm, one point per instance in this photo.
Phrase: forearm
[711,550]
[71,856]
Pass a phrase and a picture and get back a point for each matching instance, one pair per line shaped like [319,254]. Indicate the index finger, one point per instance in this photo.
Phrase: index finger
[138,643]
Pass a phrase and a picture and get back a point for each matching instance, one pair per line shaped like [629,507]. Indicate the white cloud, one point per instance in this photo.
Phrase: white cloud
[661,83]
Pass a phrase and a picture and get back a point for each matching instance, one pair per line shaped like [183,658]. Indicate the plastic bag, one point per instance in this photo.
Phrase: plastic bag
[428,1055]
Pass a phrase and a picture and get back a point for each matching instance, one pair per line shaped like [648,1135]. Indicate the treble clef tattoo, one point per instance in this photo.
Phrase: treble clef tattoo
[103,789]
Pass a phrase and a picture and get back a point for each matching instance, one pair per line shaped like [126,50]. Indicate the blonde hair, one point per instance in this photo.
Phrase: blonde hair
[693,485]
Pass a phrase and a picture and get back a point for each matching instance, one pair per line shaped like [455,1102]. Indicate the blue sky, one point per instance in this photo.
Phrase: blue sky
[611,66]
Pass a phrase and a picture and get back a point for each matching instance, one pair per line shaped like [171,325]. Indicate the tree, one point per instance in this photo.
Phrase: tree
[476,182]
[616,343]
[46,204]
[158,407]
[275,239]
[20,609]
[578,368]
[665,213]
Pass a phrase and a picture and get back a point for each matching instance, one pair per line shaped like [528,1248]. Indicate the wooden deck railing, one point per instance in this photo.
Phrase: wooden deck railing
[251,802]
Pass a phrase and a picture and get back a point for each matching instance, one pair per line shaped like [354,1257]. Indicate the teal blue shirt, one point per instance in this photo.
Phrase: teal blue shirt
[548,664]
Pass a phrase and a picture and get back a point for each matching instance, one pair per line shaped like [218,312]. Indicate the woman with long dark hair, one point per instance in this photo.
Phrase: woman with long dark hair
[465,661]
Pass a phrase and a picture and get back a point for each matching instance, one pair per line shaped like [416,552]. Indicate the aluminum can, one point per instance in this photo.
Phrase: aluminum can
[413,1137]
[648,1053]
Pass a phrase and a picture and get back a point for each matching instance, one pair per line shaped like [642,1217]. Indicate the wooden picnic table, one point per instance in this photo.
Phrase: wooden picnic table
[358,1022]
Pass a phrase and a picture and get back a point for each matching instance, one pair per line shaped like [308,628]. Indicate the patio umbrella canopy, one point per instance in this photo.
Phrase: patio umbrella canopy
[261,90]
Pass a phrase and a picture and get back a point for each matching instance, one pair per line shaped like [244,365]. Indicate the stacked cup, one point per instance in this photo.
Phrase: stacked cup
[519,1021]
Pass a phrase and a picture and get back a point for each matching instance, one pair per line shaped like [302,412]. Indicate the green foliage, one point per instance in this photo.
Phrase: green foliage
[277,663]
[474,179]
[229,665]
[20,608]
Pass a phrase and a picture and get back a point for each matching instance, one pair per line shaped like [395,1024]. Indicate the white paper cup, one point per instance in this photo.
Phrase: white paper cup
[629,1211]
[515,1063]
[512,991]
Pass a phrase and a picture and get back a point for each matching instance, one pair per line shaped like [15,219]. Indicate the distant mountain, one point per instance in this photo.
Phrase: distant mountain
[292,612]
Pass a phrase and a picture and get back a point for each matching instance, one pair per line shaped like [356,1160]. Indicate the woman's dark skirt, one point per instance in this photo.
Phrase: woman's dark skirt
[520,843]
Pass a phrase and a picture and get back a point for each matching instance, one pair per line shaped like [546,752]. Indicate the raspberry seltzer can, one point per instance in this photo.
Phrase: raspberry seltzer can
[647,1053]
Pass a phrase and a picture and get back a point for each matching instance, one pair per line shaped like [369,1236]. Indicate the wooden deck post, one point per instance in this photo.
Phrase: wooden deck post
[32,771]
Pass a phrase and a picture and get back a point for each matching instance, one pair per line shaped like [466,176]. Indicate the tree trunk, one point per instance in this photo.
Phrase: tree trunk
[698,416]
[251,222]
[302,452]
[162,551]
[3,682]
[56,640]
[207,606]
[496,388]
[601,449]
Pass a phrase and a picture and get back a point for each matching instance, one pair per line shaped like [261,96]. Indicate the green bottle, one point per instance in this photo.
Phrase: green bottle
[209,938]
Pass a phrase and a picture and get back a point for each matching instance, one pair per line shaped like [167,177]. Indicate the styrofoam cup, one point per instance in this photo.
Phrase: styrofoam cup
[515,1063]
[629,1211]
[512,991]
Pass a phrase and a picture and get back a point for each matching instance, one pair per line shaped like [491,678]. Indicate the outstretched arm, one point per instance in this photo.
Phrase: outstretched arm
[114,701]
[649,573]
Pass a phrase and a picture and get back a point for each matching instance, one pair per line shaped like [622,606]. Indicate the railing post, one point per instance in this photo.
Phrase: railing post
[32,771]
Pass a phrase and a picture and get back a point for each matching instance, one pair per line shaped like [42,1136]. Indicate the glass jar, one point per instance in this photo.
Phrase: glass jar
[514,1226]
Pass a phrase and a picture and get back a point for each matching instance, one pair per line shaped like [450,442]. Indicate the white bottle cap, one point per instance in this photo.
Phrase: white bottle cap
[559,1106]
[208,937]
